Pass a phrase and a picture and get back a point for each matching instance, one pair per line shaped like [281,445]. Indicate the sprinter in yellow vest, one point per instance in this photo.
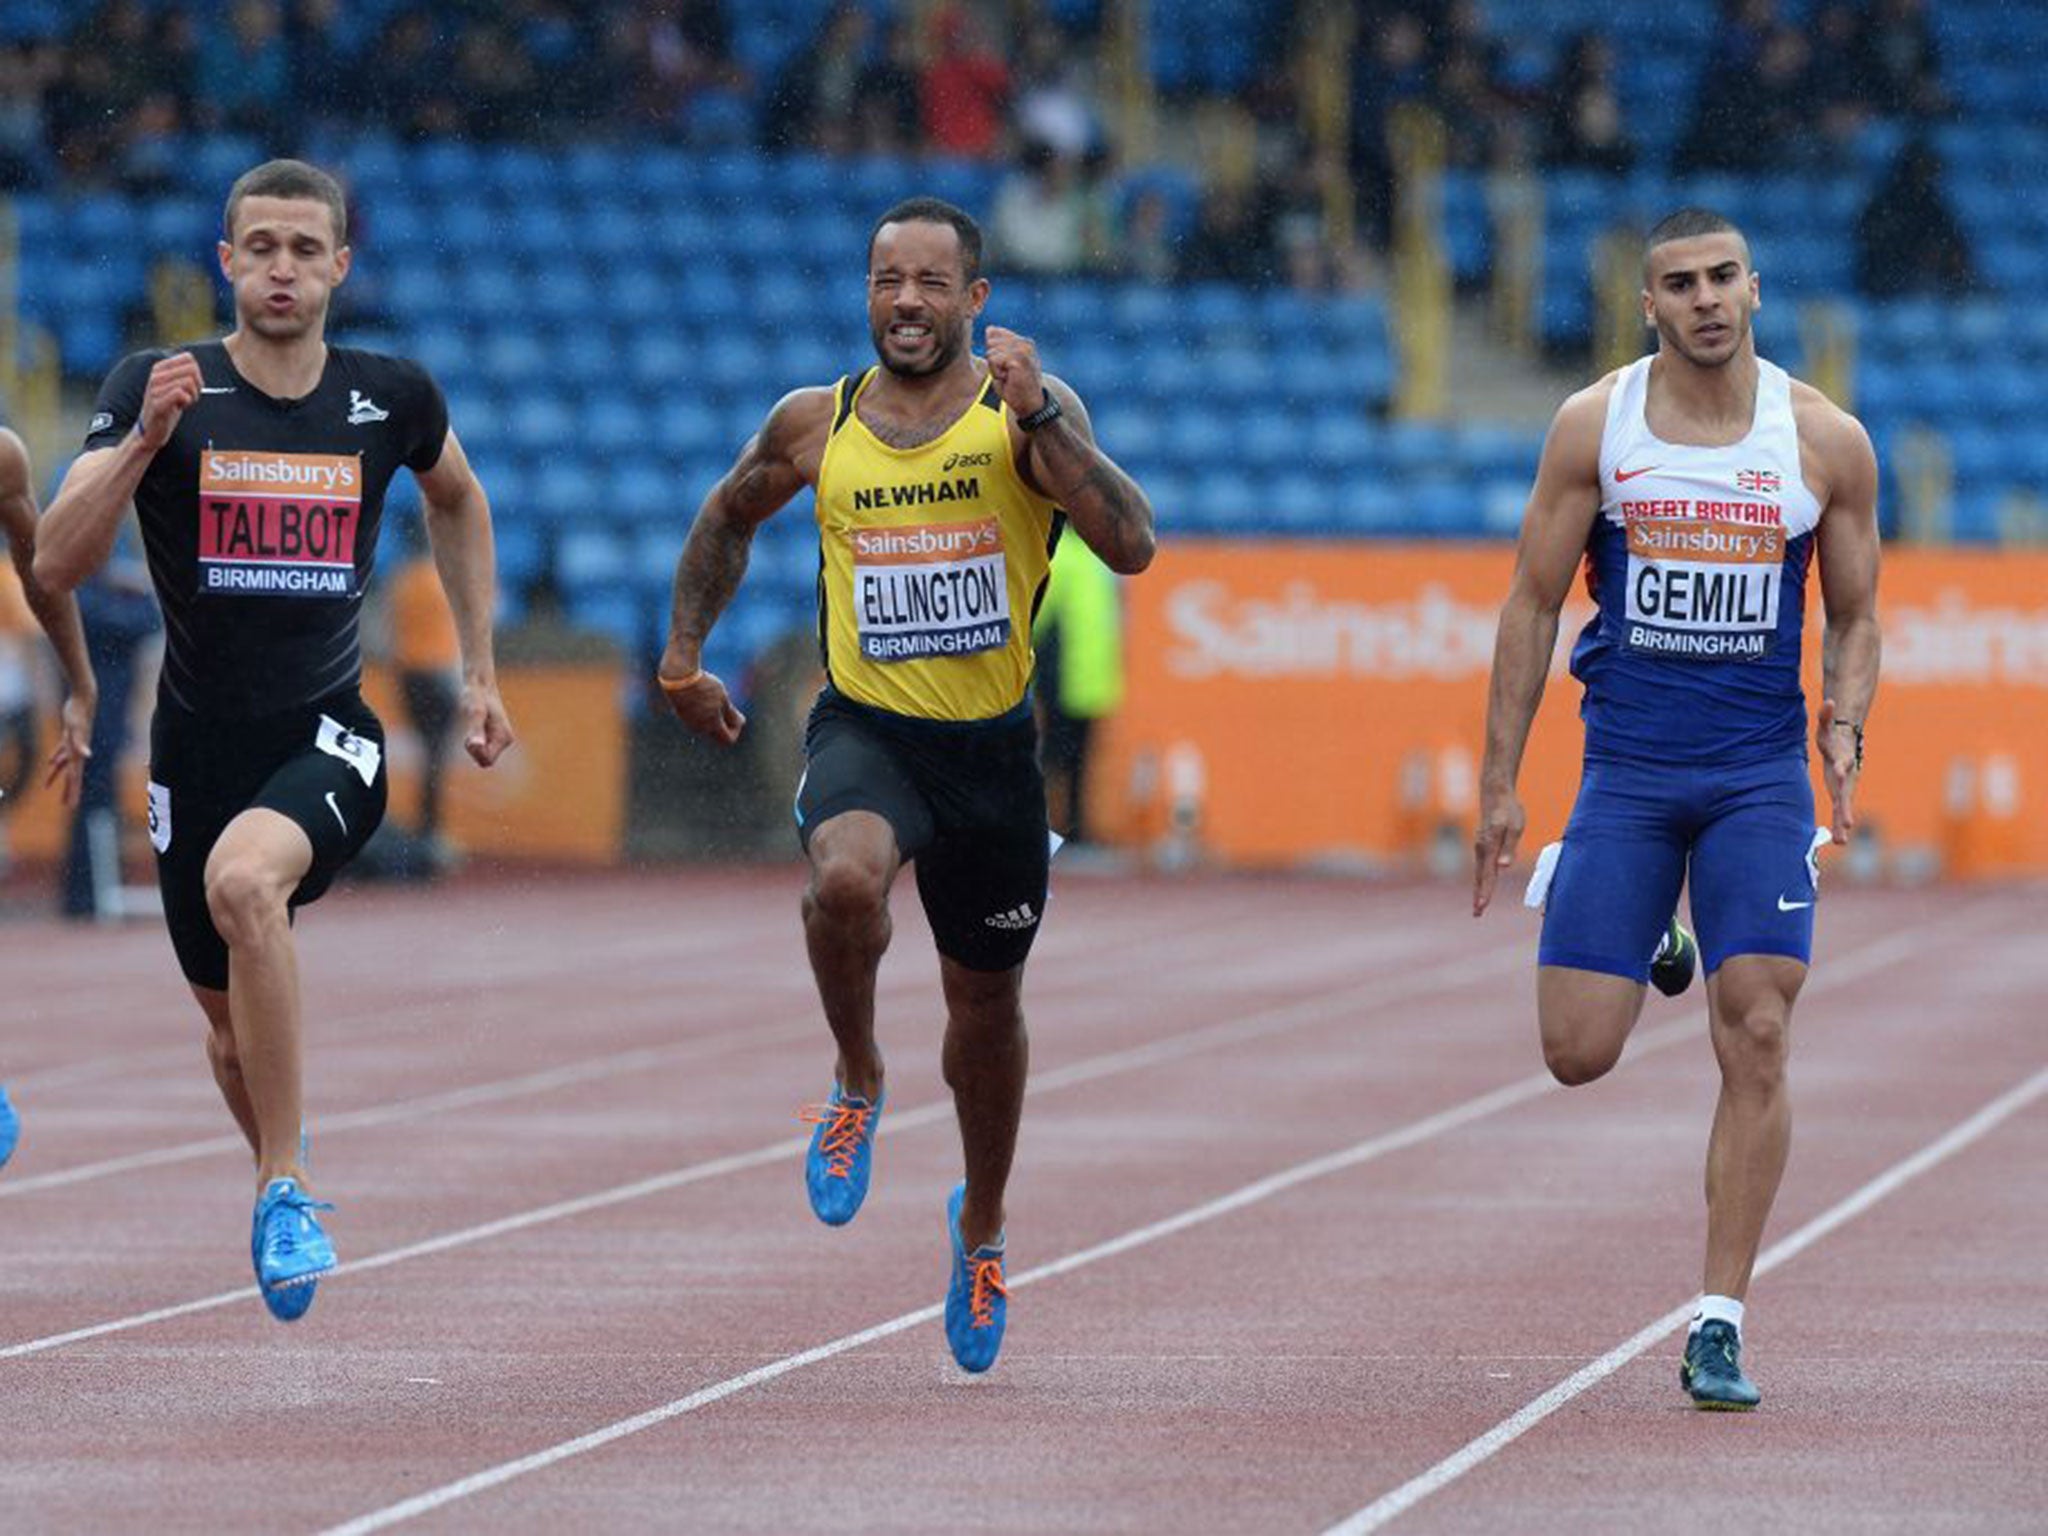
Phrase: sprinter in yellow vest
[943,480]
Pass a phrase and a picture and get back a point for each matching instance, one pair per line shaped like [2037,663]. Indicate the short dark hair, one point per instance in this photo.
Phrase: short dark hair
[1687,223]
[935,210]
[293,179]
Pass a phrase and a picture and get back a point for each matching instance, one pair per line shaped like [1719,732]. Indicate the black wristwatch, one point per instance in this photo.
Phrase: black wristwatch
[1048,412]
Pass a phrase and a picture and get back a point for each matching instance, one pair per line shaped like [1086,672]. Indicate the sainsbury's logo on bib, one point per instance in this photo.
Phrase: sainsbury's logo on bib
[933,589]
[278,524]
[1703,577]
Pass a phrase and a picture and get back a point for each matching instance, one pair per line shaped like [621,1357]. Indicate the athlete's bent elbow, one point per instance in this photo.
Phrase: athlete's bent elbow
[1135,555]
[54,574]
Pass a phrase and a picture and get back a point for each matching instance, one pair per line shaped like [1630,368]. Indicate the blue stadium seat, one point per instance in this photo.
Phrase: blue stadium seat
[642,490]
[1268,441]
[1297,501]
[587,557]
[620,616]
[516,359]
[522,552]
[542,422]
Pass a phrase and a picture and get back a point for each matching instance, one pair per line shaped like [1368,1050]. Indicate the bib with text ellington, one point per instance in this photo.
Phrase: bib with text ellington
[930,589]
[279,524]
[1703,577]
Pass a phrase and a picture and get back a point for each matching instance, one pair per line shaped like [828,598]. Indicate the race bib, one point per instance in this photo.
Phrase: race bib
[279,524]
[934,589]
[159,816]
[359,752]
[1704,578]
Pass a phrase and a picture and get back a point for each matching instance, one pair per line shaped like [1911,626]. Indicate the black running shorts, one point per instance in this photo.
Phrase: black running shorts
[967,802]
[321,766]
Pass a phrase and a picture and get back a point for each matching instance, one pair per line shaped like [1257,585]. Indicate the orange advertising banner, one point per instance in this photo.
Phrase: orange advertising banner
[559,794]
[1305,703]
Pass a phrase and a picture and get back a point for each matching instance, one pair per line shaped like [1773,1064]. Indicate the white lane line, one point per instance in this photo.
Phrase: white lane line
[591,1069]
[1452,1467]
[1858,962]
[1364,997]
[1073,978]
[1139,1237]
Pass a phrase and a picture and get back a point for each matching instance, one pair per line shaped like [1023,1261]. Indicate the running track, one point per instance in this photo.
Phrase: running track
[1301,1240]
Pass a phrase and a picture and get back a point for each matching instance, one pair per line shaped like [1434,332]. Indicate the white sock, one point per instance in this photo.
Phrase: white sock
[1718,1309]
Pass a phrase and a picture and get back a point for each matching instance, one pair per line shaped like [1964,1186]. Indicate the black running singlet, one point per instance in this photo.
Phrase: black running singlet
[260,520]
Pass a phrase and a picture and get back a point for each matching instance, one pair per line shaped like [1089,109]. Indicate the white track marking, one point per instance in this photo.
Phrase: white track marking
[1870,957]
[1452,1467]
[589,1070]
[1073,977]
[1361,998]
[1858,962]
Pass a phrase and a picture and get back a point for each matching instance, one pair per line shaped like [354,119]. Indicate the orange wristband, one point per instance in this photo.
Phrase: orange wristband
[677,684]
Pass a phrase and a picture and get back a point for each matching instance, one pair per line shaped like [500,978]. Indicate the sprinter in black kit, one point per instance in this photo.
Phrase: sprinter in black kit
[258,466]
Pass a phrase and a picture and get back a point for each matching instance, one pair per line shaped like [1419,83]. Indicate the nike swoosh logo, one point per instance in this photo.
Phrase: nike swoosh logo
[1630,474]
[344,821]
[216,389]
[1783,904]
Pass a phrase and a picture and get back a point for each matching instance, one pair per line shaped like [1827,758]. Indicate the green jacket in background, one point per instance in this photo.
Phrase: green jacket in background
[1081,620]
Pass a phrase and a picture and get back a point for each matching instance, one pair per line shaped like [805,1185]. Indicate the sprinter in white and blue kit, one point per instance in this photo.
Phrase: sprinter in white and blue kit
[1698,486]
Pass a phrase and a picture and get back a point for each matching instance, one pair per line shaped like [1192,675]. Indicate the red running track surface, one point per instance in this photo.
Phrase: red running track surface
[1299,1236]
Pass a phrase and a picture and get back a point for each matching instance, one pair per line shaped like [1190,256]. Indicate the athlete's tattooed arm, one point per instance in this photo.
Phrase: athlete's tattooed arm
[1847,546]
[458,518]
[1061,460]
[1562,506]
[777,462]
[1106,506]
[57,612]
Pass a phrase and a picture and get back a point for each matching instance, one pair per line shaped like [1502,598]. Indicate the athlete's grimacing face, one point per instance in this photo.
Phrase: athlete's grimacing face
[1701,295]
[284,261]
[921,305]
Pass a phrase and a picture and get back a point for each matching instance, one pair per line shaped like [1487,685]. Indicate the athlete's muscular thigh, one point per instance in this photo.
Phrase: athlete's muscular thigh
[1584,1018]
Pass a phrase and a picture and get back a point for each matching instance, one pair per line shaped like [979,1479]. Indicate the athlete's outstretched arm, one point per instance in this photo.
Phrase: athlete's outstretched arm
[1060,459]
[458,517]
[1562,506]
[77,531]
[778,461]
[1847,545]
[57,612]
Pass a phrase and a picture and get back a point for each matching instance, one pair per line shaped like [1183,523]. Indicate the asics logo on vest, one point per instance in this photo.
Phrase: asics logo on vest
[967,461]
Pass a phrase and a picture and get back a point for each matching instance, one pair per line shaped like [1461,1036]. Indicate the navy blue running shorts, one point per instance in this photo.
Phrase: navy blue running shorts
[1744,837]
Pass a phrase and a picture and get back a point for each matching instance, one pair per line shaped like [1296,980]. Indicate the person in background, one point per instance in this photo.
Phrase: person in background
[426,650]
[1079,636]
[121,620]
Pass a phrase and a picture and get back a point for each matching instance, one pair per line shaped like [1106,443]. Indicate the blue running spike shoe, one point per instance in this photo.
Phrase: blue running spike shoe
[290,1251]
[841,1156]
[977,1304]
[1677,957]
[10,1128]
[1712,1369]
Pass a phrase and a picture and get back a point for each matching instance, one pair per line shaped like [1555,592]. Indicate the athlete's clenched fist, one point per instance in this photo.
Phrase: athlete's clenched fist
[1013,364]
[173,388]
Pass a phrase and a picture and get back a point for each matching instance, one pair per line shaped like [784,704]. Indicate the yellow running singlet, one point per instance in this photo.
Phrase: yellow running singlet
[934,560]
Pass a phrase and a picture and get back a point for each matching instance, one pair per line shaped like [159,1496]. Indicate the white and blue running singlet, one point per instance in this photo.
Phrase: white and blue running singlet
[1698,564]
